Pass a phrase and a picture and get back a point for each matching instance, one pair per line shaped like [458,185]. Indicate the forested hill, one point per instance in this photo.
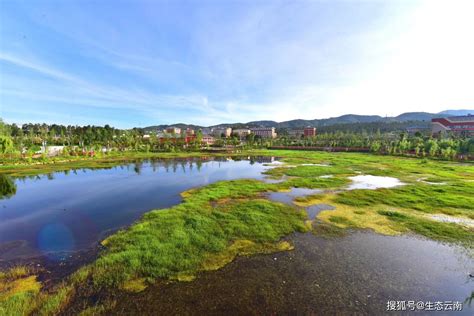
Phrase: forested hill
[348,122]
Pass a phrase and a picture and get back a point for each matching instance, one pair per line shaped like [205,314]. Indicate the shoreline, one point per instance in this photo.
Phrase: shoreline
[112,160]
[58,164]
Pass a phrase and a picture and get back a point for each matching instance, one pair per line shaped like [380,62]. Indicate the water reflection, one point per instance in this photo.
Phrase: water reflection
[315,209]
[7,187]
[353,275]
[66,211]
[288,197]
[373,182]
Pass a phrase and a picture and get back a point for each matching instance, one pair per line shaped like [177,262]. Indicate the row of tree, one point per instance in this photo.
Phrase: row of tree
[446,146]
[30,138]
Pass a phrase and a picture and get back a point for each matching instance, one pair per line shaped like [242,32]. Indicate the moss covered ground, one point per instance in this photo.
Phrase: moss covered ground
[218,222]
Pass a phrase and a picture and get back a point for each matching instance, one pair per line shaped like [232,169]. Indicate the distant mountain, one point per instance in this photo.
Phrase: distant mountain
[353,118]
[413,118]
[416,116]
[262,123]
[164,126]
[457,112]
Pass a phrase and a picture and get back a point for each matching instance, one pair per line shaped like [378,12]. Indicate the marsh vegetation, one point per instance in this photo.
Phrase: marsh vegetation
[218,222]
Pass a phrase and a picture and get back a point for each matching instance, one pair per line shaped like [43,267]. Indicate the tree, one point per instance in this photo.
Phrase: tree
[432,147]
[6,144]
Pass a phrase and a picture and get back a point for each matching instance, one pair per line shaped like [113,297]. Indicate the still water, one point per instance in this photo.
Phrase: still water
[69,211]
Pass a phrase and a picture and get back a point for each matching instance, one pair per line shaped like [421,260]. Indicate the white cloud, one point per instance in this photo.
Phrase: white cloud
[75,90]
[272,61]
[421,60]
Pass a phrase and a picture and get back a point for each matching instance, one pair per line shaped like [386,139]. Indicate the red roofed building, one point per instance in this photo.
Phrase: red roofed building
[455,124]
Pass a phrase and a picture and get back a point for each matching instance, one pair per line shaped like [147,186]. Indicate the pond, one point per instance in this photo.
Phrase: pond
[373,182]
[69,211]
[288,197]
[315,209]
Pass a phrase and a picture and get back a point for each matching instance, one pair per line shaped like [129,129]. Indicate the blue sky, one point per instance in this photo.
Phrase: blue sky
[140,63]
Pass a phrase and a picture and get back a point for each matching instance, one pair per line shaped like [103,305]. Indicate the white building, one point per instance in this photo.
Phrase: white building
[173,130]
[222,132]
[241,132]
[51,151]
[208,140]
[264,132]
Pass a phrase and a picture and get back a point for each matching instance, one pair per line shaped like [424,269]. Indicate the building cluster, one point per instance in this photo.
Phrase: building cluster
[210,135]
[242,133]
[461,125]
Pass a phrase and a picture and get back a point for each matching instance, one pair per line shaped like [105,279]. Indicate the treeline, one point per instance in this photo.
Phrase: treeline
[29,140]
[447,146]
[368,127]
[61,134]
[374,127]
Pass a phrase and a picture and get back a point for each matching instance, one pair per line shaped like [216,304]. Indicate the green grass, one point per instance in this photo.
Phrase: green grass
[18,304]
[170,242]
[341,220]
[307,171]
[448,232]
[213,217]
[456,199]
[18,291]
[317,183]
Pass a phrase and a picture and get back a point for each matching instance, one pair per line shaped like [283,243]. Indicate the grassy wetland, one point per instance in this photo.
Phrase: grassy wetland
[219,222]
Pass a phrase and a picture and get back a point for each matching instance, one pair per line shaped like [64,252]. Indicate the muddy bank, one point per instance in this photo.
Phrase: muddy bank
[358,273]
[52,270]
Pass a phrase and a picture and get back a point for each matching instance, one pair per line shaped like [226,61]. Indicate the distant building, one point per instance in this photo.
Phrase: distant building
[296,133]
[241,132]
[264,132]
[455,124]
[302,132]
[160,134]
[222,132]
[309,131]
[173,130]
[51,151]
[190,138]
[412,130]
[208,140]
[176,138]
[206,131]
[189,132]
